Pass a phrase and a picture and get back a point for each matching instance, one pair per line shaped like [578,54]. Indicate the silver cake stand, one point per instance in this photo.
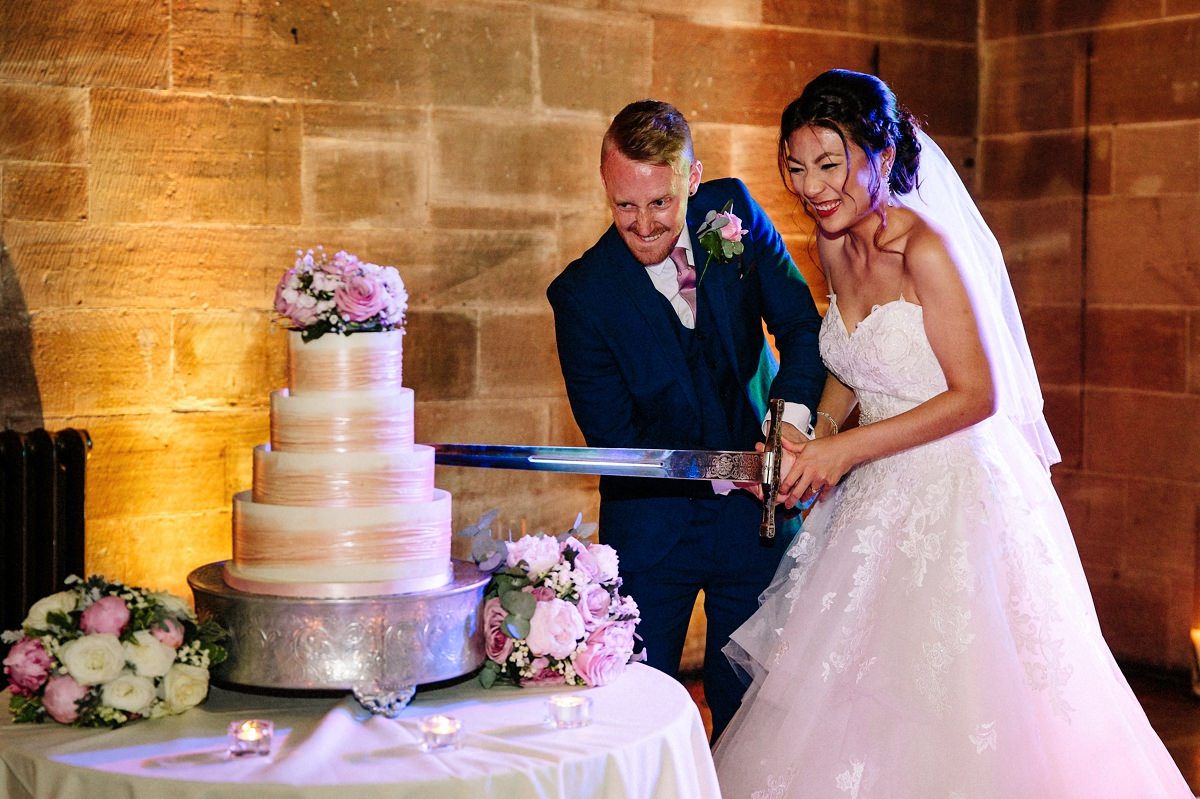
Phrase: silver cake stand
[380,647]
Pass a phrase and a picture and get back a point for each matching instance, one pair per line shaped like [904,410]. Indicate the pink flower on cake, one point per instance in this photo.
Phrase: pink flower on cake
[341,295]
[61,698]
[358,298]
[555,629]
[27,666]
[109,614]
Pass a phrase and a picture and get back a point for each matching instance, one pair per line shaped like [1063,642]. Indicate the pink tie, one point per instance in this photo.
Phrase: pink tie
[686,275]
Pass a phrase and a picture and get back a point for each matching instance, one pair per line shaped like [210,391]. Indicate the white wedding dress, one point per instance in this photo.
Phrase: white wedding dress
[931,634]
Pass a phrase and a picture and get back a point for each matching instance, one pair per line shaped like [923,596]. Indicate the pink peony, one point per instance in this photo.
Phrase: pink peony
[584,563]
[169,632]
[732,231]
[594,601]
[360,298]
[61,698]
[27,666]
[606,561]
[496,643]
[108,614]
[555,629]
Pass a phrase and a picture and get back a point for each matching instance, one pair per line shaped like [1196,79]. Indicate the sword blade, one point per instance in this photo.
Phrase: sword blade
[681,464]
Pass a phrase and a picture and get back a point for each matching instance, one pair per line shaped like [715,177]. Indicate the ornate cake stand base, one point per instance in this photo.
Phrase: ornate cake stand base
[380,648]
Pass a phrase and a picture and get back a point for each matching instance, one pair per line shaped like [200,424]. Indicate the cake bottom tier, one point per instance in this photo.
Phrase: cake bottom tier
[286,550]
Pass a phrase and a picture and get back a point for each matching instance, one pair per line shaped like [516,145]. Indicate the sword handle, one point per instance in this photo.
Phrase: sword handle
[770,486]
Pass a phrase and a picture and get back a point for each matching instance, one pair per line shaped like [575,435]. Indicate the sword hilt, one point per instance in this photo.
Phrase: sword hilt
[770,485]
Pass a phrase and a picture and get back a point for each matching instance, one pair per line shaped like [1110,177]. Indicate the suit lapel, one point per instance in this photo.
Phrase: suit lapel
[634,287]
[711,289]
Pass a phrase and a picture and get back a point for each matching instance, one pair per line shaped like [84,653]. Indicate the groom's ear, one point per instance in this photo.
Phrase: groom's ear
[694,173]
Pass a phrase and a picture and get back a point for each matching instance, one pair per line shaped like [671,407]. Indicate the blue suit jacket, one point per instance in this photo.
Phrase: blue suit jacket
[626,374]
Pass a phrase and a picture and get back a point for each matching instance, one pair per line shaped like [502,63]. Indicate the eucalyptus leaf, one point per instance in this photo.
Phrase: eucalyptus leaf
[519,603]
[487,677]
[515,627]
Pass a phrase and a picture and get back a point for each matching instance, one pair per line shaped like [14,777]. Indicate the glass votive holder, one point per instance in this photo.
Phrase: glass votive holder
[440,732]
[250,737]
[569,711]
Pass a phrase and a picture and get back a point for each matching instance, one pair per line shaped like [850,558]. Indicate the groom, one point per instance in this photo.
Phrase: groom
[661,348]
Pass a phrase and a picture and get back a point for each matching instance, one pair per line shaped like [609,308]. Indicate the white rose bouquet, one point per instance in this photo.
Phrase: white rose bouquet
[100,654]
[553,612]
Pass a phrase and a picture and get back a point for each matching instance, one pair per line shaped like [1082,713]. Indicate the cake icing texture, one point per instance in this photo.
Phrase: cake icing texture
[343,502]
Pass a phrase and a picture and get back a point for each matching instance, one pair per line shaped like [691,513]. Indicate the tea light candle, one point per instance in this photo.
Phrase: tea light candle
[250,737]
[440,732]
[569,711]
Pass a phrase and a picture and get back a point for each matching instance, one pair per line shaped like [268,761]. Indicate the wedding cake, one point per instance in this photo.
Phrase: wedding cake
[343,502]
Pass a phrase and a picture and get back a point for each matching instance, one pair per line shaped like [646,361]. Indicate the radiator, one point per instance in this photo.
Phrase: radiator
[41,516]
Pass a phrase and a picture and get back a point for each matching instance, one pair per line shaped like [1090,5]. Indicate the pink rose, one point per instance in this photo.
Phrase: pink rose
[617,636]
[603,658]
[27,666]
[594,601]
[169,632]
[732,231]
[555,629]
[61,698]
[496,643]
[360,298]
[108,614]
[542,673]
[543,593]
[596,664]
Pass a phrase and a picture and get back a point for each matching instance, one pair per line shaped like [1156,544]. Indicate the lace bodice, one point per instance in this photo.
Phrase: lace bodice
[887,359]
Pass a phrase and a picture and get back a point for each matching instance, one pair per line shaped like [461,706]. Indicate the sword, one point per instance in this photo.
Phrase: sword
[680,464]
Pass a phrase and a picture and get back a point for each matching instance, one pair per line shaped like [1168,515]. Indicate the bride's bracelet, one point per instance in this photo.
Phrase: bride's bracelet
[832,423]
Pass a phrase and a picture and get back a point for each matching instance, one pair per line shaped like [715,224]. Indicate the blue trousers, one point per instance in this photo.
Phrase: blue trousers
[718,553]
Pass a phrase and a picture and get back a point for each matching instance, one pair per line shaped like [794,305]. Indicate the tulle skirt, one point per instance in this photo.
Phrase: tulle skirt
[931,635]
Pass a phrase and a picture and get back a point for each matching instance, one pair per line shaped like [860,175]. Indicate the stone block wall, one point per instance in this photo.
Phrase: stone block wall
[162,160]
[1089,169]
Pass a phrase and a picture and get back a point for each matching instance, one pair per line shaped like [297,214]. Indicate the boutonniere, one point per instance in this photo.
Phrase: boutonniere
[721,234]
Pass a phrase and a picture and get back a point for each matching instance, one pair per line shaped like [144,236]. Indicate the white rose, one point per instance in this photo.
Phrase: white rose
[149,656]
[173,604]
[93,659]
[183,687]
[606,562]
[62,602]
[539,551]
[130,693]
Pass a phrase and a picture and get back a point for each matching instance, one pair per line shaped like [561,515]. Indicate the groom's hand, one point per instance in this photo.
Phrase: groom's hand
[788,432]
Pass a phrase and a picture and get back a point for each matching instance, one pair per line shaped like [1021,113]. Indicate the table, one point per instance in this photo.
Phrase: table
[646,740]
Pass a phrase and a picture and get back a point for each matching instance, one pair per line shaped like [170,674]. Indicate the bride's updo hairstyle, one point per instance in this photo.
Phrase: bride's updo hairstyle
[862,109]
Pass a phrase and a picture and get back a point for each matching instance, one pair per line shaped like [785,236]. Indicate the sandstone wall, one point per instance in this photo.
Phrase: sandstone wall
[1089,170]
[161,162]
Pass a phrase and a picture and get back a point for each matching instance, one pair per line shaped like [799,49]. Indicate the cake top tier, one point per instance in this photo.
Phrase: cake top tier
[373,361]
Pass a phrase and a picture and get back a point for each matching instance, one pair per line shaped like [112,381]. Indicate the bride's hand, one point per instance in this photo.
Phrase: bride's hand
[812,467]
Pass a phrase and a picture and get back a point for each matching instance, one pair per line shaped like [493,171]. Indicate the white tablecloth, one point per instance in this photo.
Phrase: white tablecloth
[646,740]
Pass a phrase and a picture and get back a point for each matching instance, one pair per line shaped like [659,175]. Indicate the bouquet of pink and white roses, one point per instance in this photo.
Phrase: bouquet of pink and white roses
[553,612]
[344,295]
[100,654]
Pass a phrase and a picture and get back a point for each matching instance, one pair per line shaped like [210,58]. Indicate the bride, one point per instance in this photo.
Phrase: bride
[930,634]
